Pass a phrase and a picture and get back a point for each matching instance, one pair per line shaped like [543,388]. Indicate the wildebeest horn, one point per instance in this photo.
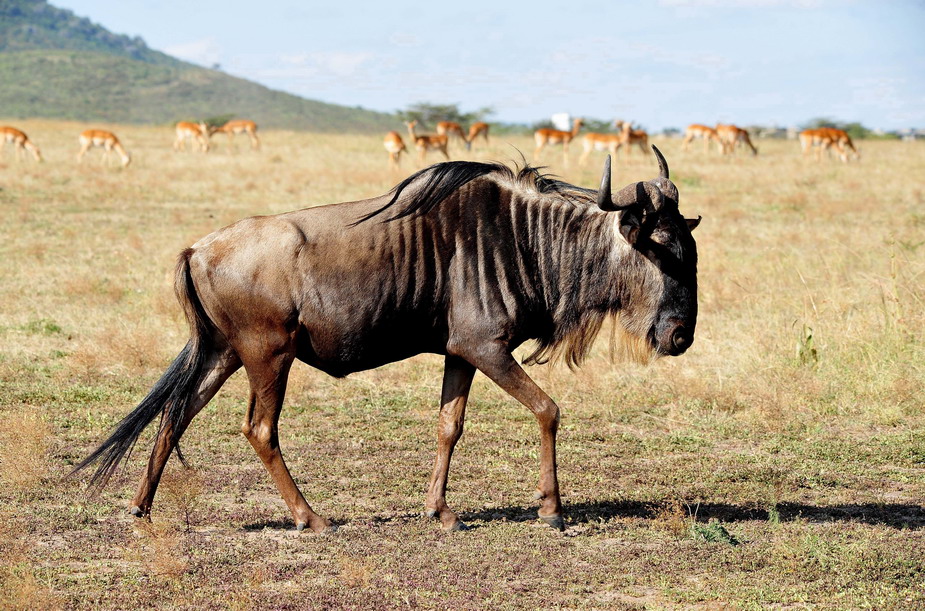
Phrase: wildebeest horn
[664,185]
[639,193]
[650,195]
[662,164]
[603,194]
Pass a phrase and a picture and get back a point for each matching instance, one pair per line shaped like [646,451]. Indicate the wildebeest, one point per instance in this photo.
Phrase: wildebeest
[468,260]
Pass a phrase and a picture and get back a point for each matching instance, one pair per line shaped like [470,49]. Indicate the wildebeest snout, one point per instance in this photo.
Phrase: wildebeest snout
[676,337]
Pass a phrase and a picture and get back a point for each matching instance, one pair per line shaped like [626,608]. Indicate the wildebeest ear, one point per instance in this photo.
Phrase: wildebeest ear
[692,223]
[631,224]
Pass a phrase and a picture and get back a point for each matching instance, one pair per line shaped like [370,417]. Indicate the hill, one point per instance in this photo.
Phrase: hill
[55,64]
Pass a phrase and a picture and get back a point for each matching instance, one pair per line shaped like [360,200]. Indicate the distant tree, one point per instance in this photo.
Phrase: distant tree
[428,115]
[854,129]
[588,125]
[597,125]
[219,120]
[671,132]
[819,122]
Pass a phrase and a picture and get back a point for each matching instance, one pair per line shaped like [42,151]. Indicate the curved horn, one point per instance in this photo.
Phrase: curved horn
[644,193]
[603,194]
[667,188]
[662,164]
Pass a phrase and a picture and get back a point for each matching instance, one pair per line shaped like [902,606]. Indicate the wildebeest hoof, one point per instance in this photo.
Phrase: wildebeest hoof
[457,526]
[555,521]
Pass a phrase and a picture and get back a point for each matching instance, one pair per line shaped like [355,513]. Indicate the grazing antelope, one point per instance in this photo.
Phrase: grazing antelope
[823,139]
[814,140]
[630,136]
[842,142]
[240,126]
[462,259]
[426,142]
[599,142]
[187,131]
[547,136]
[20,142]
[453,129]
[731,136]
[394,145]
[105,140]
[706,133]
[478,129]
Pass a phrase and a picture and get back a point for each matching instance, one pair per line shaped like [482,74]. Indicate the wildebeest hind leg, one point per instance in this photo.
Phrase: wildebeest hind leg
[457,380]
[498,364]
[268,377]
[218,367]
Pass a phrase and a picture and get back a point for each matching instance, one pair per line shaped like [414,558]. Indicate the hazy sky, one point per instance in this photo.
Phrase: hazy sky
[660,63]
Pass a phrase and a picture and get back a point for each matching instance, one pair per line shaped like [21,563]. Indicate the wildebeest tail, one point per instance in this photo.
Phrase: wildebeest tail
[171,395]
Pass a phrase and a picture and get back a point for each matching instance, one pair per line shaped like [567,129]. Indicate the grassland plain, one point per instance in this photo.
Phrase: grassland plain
[780,463]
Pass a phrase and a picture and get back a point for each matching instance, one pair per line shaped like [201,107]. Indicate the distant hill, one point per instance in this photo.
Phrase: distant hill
[54,64]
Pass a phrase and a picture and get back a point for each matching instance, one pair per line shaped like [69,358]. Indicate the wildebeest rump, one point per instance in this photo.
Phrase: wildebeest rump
[468,260]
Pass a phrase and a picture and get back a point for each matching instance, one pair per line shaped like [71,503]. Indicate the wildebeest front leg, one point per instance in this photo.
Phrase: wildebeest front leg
[498,364]
[457,380]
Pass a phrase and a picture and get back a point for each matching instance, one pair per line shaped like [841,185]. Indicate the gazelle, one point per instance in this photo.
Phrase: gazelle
[731,135]
[631,137]
[426,142]
[478,129]
[842,142]
[394,145]
[547,136]
[240,126]
[599,142]
[452,128]
[704,132]
[187,131]
[814,140]
[823,138]
[20,142]
[105,140]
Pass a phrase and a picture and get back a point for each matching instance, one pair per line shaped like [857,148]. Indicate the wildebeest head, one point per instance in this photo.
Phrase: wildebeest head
[649,220]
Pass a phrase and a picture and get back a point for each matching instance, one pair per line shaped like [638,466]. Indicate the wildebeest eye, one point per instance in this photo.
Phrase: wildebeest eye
[661,236]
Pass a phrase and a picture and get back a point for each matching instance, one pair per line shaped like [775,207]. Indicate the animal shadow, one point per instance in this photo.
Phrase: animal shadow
[894,515]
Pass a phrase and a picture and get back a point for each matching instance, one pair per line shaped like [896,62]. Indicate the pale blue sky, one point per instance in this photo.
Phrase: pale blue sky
[660,64]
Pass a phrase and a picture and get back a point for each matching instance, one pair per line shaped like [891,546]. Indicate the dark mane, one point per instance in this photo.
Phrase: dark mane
[441,180]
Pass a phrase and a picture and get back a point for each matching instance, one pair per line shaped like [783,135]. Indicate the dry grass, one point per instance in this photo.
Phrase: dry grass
[795,422]
[24,443]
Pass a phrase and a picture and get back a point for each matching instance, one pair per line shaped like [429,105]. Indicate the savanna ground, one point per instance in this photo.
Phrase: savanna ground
[779,463]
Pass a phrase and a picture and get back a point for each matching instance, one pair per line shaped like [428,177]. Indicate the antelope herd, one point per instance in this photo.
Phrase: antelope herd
[187,133]
[728,138]
[197,136]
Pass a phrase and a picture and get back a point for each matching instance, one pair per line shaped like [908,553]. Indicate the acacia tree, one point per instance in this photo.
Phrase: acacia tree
[854,129]
[427,115]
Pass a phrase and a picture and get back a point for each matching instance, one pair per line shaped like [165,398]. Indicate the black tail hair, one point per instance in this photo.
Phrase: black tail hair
[171,394]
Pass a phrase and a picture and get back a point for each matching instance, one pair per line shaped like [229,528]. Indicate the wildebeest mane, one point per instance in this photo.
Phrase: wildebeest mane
[437,182]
